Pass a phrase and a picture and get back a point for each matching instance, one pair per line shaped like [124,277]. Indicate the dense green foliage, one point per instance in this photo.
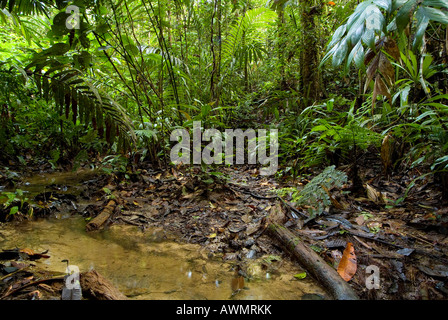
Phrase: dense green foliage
[334,78]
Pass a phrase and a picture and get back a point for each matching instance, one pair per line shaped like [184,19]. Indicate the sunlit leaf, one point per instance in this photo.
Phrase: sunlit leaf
[300,276]
[404,14]
[348,264]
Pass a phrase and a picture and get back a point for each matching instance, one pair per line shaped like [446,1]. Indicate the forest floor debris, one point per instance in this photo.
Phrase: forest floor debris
[228,213]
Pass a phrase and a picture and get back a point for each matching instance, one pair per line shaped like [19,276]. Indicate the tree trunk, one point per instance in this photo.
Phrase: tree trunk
[313,263]
[281,47]
[215,47]
[310,54]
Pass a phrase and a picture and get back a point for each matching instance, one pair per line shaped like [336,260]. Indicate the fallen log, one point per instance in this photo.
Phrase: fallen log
[95,286]
[314,264]
[97,222]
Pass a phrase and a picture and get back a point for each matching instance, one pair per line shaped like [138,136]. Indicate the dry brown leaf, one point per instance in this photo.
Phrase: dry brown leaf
[380,87]
[334,202]
[36,294]
[27,251]
[387,149]
[391,47]
[360,220]
[237,283]
[348,264]
[386,69]
[373,194]
[371,71]
[276,215]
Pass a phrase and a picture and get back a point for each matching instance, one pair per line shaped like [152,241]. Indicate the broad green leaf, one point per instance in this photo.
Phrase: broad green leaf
[404,96]
[422,24]
[84,40]
[427,69]
[435,3]
[59,28]
[319,128]
[392,26]
[355,33]
[329,54]
[102,28]
[404,14]
[132,49]
[436,14]
[337,35]
[58,49]
[359,56]
[425,114]
[439,97]
[13,210]
[359,13]
[356,55]
[439,161]
[374,18]
[340,52]
[300,276]
[385,4]
[369,38]
[397,4]
[85,59]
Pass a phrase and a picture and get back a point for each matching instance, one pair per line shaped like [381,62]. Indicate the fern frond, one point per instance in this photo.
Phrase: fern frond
[85,102]
[252,20]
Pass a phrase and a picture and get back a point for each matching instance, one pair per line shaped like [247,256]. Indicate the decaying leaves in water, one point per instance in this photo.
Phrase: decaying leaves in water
[348,264]
[237,283]
[27,251]
[33,255]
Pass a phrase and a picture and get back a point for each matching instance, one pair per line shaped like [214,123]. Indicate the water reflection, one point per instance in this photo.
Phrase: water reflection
[144,266]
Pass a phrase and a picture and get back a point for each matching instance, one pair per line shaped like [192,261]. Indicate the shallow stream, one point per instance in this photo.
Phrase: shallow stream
[145,265]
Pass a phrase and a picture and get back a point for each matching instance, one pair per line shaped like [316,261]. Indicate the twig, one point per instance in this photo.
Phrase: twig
[363,243]
[10,292]
[417,250]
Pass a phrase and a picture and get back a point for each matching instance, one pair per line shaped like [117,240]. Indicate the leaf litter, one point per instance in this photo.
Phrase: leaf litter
[407,240]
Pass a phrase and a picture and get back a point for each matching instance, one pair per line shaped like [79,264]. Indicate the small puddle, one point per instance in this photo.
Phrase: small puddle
[145,266]
[56,181]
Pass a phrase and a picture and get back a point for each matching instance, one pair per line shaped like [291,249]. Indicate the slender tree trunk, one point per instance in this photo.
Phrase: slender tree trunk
[215,47]
[170,37]
[310,53]
[281,45]
[218,69]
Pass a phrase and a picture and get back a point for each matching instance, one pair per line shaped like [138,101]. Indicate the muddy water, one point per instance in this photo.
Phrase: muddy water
[144,265]
[61,181]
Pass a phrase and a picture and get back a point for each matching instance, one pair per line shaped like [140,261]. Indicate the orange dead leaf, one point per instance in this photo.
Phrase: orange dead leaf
[331,3]
[27,251]
[347,265]
[34,255]
[237,283]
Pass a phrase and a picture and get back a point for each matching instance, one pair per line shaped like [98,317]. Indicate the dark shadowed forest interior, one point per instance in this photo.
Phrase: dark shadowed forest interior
[223,149]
